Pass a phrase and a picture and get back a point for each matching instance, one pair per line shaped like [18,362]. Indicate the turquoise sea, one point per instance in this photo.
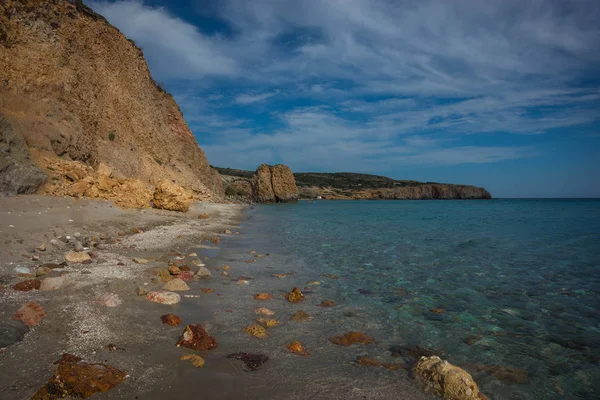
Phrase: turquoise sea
[507,289]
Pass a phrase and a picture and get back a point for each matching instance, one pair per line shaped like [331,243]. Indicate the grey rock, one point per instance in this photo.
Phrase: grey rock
[52,283]
[12,332]
[78,246]
[141,290]
[203,272]
[18,173]
[101,246]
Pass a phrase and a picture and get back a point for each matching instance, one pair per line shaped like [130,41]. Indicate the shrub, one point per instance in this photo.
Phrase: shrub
[229,191]
[111,136]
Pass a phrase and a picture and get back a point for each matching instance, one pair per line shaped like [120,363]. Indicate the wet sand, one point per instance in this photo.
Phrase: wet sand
[77,324]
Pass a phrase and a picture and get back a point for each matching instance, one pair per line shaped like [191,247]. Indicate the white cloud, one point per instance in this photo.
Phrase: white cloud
[246,98]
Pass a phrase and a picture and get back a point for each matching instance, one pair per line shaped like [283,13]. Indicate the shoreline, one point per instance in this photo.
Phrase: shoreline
[78,317]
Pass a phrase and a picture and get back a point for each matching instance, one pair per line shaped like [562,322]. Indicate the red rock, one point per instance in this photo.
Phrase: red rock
[171,319]
[351,338]
[296,348]
[77,379]
[163,297]
[195,337]
[186,275]
[31,313]
[28,285]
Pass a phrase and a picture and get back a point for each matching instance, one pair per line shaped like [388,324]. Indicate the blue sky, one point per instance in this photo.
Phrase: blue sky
[500,94]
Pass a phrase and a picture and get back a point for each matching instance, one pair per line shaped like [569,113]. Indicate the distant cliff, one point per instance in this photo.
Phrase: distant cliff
[75,95]
[352,186]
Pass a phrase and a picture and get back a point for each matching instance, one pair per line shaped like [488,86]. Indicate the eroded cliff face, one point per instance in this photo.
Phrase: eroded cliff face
[274,184]
[73,87]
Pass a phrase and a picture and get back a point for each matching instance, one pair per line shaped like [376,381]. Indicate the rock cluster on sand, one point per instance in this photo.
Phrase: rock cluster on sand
[195,337]
[446,380]
[274,184]
[77,379]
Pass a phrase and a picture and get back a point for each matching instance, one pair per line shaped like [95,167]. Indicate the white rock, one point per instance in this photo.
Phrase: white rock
[163,297]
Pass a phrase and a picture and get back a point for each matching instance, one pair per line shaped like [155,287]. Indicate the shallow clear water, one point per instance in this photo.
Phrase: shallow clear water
[522,275]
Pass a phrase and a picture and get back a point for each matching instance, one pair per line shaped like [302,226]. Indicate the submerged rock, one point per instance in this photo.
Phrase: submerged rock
[264,311]
[195,337]
[196,360]
[294,296]
[163,297]
[207,290]
[12,332]
[500,372]
[164,275]
[327,303]
[256,331]
[446,380]
[371,362]
[27,285]
[176,285]
[267,323]
[301,316]
[263,296]
[351,338]
[110,300]
[31,314]
[296,348]
[171,319]
[415,351]
[252,361]
[76,378]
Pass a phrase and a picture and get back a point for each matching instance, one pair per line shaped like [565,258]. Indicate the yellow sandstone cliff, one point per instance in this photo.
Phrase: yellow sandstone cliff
[77,99]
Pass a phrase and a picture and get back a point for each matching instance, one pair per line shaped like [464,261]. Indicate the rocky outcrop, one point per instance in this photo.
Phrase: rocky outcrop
[274,184]
[73,88]
[18,173]
[425,191]
[446,380]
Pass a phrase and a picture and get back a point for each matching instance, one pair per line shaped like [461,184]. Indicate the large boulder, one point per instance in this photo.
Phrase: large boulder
[274,184]
[170,196]
[446,380]
[18,173]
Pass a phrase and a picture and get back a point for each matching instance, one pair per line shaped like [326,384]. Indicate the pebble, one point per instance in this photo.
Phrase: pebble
[52,283]
[41,247]
[78,246]
[77,257]
[42,270]
[23,270]
[203,272]
[163,297]
[101,246]
[176,285]
[138,260]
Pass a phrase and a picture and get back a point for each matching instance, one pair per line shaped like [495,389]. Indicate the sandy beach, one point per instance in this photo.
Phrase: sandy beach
[78,320]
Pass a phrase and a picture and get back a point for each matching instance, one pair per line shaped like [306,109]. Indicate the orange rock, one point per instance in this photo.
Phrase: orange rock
[31,313]
[366,361]
[296,348]
[327,303]
[446,380]
[196,360]
[74,378]
[171,319]
[267,323]
[294,296]
[301,316]
[203,216]
[28,285]
[226,268]
[256,331]
[280,276]
[264,311]
[263,296]
[174,270]
[195,337]
[207,290]
[437,310]
[351,338]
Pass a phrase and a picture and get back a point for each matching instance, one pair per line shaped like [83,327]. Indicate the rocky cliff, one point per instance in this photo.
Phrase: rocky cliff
[73,89]
[351,186]
[274,184]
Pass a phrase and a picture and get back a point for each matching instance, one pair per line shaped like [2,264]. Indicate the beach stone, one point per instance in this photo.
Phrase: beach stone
[371,362]
[50,265]
[228,232]
[23,270]
[296,348]
[176,285]
[163,297]
[294,296]
[139,260]
[251,361]
[171,319]
[78,246]
[301,316]
[415,351]
[500,372]
[164,275]
[196,360]
[77,379]
[41,247]
[57,243]
[351,338]
[203,272]
[203,216]
[101,246]
[263,296]
[196,338]
[11,332]
[169,196]
[75,257]
[27,285]
[207,290]
[141,290]
[186,276]
[39,271]
[52,283]
[31,314]
[110,300]
[446,380]
[327,303]
[264,311]
[256,331]
[174,270]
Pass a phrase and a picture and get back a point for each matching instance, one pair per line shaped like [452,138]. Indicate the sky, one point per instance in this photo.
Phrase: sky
[501,94]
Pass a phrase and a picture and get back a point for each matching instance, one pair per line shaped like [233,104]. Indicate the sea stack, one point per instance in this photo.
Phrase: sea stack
[274,184]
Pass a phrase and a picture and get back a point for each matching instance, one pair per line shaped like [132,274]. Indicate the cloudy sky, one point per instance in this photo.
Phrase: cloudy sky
[502,94]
